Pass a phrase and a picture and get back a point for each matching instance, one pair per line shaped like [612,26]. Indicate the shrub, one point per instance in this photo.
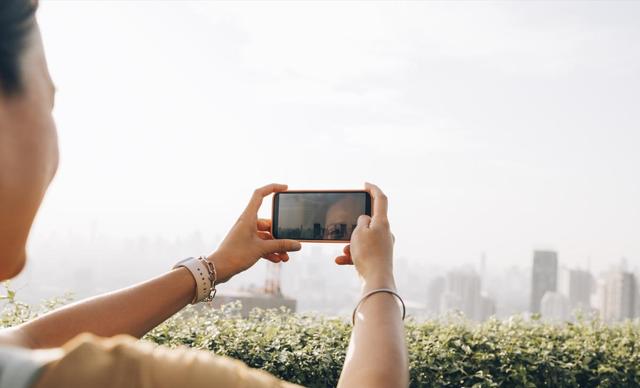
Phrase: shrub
[15,312]
[310,349]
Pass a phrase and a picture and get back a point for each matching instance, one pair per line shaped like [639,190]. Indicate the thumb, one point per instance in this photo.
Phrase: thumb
[364,221]
[275,246]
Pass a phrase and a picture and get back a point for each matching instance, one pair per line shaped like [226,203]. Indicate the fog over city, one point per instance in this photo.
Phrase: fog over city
[495,129]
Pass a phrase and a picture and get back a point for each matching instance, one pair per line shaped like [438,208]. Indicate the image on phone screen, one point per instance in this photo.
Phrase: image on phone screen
[318,216]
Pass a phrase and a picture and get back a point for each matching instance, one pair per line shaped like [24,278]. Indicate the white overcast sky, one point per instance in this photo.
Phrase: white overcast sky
[493,127]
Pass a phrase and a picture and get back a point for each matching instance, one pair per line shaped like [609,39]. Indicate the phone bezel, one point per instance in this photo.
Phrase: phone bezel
[275,204]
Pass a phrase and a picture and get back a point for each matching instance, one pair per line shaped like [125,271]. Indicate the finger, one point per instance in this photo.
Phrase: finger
[343,260]
[379,199]
[264,225]
[277,257]
[363,221]
[264,235]
[273,257]
[256,199]
[274,246]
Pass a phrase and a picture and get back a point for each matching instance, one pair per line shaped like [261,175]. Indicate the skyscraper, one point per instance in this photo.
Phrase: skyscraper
[462,292]
[580,289]
[619,299]
[577,285]
[544,277]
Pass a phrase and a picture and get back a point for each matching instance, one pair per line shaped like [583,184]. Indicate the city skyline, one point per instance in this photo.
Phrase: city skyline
[310,278]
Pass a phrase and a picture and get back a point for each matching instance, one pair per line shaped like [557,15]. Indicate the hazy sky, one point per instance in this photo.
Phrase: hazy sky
[493,127]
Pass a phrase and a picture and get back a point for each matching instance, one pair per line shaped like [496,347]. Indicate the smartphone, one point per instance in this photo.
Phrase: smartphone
[318,216]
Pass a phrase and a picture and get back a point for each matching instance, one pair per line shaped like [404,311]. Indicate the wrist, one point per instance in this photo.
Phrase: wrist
[182,275]
[202,273]
[383,280]
[223,269]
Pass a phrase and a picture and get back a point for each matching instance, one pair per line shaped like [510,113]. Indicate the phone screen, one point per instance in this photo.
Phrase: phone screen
[318,215]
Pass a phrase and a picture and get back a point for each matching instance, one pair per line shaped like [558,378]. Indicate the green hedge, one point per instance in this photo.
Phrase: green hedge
[310,349]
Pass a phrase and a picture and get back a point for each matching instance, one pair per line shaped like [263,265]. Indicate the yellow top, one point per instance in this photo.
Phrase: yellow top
[124,361]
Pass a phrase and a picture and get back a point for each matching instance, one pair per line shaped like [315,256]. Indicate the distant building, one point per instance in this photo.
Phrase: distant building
[510,288]
[318,231]
[268,297]
[544,277]
[619,296]
[578,286]
[462,292]
[554,306]
[580,290]
[435,289]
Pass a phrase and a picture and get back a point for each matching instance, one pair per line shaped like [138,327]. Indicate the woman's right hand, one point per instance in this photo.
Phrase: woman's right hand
[378,337]
[371,248]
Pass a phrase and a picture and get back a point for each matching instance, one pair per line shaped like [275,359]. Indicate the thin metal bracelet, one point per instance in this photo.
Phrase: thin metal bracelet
[213,277]
[368,294]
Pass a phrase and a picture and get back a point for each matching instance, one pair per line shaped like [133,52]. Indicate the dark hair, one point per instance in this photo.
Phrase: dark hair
[16,23]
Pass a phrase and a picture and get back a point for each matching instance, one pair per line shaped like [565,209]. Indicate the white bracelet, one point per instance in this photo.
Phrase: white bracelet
[368,294]
[204,273]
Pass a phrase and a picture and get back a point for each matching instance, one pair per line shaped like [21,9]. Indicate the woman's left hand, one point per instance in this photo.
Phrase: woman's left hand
[250,239]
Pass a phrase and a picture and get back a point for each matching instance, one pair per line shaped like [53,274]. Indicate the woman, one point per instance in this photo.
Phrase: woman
[91,343]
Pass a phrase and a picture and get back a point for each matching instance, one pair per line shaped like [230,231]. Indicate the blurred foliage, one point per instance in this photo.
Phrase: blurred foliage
[15,312]
[310,349]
